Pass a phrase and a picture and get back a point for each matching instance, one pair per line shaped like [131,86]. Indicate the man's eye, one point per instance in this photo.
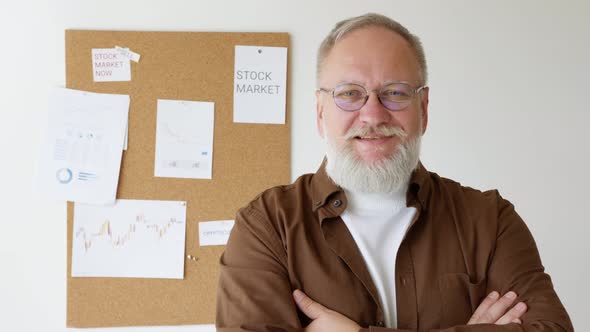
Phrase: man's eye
[395,93]
[350,94]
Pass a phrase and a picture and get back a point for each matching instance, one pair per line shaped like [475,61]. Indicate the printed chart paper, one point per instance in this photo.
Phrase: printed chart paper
[184,139]
[132,239]
[214,233]
[110,65]
[81,153]
[260,84]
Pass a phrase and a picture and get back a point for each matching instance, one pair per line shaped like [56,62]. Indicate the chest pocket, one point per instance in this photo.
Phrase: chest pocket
[460,298]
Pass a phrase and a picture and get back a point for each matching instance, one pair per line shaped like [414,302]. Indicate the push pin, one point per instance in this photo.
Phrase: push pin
[259,51]
[192,258]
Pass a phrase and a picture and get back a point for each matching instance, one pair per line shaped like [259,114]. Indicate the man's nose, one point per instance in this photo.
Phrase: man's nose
[373,113]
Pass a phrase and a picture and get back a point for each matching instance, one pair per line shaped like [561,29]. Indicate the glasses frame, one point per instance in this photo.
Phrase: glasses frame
[415,91]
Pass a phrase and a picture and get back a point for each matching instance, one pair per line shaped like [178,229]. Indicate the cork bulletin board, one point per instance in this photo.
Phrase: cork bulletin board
[247,159]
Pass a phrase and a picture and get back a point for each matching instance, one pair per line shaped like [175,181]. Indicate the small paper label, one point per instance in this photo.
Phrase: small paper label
[128,53]
[214,233]
[108,65]
[260,84]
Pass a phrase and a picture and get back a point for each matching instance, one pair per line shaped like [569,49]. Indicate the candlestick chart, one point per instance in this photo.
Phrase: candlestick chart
[120,240]
[133,238]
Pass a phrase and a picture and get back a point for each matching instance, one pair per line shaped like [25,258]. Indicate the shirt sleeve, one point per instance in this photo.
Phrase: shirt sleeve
[516,265]
[254,292]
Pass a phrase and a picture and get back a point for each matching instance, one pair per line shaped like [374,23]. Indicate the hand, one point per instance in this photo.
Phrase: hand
[323,318]
[494,310]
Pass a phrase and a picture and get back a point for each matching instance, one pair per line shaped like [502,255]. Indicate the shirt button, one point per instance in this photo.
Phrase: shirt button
[380,324]
[337,203]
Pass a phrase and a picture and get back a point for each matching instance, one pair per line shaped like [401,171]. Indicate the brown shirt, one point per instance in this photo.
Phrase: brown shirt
[461,245]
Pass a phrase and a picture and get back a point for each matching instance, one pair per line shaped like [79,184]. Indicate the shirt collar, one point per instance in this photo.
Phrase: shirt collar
[323,187]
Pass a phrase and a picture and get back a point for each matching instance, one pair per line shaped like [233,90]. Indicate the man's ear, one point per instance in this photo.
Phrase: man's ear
[424,108]
[319,105]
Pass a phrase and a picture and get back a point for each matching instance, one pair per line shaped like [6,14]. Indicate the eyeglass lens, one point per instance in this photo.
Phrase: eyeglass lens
[351,97]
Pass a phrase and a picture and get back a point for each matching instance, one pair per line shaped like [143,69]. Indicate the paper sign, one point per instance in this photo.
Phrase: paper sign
[184,139]
[109,65]
[81,153]
[131,239]
[214,233]
[128,53]
[260,82]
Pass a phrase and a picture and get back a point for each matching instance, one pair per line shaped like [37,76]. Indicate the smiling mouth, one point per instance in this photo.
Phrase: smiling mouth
[371,137]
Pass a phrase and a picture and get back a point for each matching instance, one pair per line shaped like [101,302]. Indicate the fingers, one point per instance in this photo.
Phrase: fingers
[308,306]
[499,308]
[513,315]
[483,308]
[494,310]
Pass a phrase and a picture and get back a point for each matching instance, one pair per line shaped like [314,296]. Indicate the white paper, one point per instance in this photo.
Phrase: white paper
[131,239]
[129,54]
[109,65]
[184,139]
[80,155]
[214,233]
[126,140]
[260,82]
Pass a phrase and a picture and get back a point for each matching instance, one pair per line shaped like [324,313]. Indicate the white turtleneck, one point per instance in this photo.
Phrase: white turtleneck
[378,223]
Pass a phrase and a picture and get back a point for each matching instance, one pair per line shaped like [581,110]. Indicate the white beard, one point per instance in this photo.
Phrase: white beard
[390,175]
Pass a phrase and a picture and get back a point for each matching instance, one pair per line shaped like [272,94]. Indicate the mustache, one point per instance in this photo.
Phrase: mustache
[379,130]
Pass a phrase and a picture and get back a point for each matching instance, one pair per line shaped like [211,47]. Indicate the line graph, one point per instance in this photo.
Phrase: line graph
[121,239]
[184,139]
[133,238]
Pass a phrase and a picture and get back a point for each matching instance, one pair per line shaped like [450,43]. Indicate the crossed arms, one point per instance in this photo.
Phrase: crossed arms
[257,284]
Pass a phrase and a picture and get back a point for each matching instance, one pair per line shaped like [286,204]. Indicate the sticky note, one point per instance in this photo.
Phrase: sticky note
[128,53]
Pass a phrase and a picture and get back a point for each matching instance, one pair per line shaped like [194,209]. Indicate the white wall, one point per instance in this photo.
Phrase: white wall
[508,110]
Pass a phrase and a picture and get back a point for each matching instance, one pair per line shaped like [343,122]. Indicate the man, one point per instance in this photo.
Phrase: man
[373,240]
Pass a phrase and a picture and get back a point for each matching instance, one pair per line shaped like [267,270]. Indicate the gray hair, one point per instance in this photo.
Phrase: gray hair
[347,26]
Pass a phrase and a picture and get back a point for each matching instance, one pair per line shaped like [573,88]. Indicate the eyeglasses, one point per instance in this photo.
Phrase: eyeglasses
[352,97]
